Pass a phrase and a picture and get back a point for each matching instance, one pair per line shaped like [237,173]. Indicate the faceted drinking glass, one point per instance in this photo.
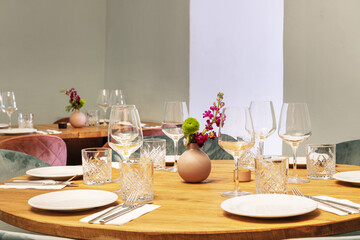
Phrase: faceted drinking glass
[271,173]
[96,163]
[321,161]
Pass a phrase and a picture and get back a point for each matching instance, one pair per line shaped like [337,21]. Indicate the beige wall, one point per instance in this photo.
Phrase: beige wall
[46,45]
[147,52]
[322,59]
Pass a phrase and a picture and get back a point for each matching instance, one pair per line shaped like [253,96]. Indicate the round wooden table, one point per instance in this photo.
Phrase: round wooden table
[188,211]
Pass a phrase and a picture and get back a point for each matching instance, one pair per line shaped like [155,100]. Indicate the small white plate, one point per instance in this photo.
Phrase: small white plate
[3,125]
[351,177]
[17,130]
[269,205]
[169,158]
[56,172]
[72,200]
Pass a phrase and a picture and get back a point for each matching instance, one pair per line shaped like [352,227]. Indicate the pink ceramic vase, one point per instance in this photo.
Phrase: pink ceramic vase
[194,165]
[77,119]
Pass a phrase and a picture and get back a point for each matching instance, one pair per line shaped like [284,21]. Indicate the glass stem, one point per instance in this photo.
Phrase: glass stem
[236,176]
[175,152]
[294,149]
[9,120]
[261,147]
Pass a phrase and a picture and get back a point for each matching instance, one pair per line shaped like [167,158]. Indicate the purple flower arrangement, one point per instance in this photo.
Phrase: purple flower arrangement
[75,101]
[213,116]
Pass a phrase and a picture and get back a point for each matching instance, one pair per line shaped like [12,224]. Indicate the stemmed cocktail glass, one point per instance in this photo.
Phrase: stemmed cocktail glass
[125,134]
[174,115]
[117,97]
[236,136]
[103,101]
[263,117]
[294,128]
[8,104]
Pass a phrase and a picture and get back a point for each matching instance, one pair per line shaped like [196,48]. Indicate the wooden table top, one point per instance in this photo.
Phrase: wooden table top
[188,211]
[87,132]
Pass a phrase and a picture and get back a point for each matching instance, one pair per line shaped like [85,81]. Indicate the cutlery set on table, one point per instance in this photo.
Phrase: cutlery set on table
[58,177]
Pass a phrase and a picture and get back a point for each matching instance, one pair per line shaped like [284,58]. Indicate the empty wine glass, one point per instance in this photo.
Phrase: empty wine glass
[294,128]
[263,117]
[103,101]
[174,115]
[117,97]
[8,104]
[125,134]
[1,102]
[236,136]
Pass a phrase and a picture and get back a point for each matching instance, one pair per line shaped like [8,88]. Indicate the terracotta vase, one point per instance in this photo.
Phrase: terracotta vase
[77,119]
[194,165]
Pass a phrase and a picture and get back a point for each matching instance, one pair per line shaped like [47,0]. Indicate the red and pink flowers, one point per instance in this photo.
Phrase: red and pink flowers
[212,116]
[75,101]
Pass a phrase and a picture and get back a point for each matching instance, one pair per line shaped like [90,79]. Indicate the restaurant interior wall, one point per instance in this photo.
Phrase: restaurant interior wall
[236,47]
[147,53]
[322,59]
[48,45]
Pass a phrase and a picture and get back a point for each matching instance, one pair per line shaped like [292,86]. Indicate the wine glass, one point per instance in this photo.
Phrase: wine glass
[125,134]
[8,104]
[174,115]
[294,128]
[263,117]
[117,97]
[103,101]
[236,136]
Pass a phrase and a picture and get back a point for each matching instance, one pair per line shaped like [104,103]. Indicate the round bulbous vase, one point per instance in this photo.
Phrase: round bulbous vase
[77,119]
[194,165]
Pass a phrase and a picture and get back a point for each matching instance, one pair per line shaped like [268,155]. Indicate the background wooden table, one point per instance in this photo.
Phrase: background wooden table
[188,211]
[84,137]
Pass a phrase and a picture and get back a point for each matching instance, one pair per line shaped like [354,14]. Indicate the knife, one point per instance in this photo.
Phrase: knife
[122,212]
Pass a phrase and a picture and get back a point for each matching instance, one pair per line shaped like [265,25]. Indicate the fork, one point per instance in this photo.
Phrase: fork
[130,204]
[45,182]
[126,205]
[297,192]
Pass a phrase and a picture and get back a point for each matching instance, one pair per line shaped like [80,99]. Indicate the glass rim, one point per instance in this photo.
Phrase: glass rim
[154,140]
[95,149]
[136,160]
[124,106]
[272,157]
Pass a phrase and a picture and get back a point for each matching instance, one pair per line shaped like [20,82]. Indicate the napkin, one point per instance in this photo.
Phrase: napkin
[124,218]
[53,131]
[41,132]
[332,210]
[33,186]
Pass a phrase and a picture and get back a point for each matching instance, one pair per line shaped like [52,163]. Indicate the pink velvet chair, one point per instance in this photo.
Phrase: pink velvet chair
[50,149]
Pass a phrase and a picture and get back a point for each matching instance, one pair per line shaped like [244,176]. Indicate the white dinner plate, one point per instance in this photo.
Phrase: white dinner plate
[269,205]
[3,125]
[72,200]
[351,177]
[17,130]
[56,172]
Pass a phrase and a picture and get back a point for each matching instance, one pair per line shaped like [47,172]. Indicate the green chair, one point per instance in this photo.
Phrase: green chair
[348,152]
[14,164]
[6,235]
